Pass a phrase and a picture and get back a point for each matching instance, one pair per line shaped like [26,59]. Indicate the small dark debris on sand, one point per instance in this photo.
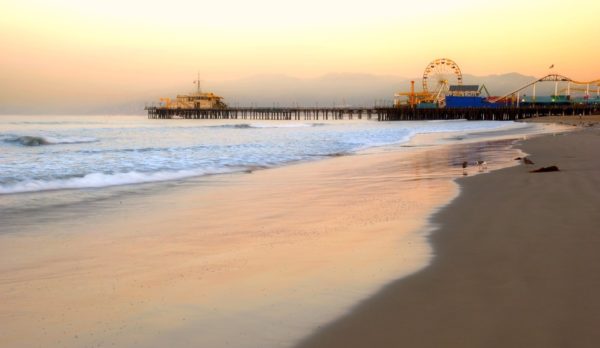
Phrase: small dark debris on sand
[524,159]
[545,169]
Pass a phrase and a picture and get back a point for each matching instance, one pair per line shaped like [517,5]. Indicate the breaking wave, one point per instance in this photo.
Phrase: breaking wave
[29,140]
[147,154]
[265,125]
[96,180]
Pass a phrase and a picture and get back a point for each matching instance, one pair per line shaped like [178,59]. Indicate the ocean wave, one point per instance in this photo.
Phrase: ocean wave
[447,121]
[266,125]
[31,140]
[96,180]
[291,125]
[52,122]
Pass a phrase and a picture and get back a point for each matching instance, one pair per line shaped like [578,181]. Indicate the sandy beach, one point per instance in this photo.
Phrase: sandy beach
[516,261]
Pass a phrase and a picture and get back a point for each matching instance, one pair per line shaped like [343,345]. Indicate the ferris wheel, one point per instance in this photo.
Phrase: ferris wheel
[438,76]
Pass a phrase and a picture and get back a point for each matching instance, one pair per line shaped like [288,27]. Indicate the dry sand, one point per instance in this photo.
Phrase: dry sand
[517,262]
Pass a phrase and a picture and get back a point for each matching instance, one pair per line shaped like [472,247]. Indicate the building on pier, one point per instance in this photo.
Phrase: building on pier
[194,100]
[465,96]
[464,91]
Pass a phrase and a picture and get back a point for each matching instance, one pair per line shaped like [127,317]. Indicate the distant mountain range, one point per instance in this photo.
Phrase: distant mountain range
[342,89]
[327,90]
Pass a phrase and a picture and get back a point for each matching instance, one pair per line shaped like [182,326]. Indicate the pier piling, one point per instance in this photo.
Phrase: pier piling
[379,113]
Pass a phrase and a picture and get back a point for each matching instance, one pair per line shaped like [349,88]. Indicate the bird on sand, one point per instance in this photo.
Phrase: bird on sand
[481,164]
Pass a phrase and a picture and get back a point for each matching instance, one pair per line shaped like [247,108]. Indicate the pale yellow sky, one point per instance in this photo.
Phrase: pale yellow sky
[93,50]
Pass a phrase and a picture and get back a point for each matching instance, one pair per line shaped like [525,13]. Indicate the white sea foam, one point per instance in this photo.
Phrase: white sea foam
[70,140]
[95,180]
[290,125]
[36,140]
[144,154]
[270,125]
[378,143]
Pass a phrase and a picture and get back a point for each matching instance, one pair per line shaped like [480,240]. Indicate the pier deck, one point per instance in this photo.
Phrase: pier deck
[372,113]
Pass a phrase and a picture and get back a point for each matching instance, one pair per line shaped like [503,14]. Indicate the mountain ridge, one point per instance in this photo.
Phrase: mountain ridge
[273,90]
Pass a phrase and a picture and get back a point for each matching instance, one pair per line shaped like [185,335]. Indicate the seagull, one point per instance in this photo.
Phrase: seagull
[551,66]
[481,164]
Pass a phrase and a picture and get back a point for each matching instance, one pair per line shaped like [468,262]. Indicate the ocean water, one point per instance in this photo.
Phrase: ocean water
[56,153]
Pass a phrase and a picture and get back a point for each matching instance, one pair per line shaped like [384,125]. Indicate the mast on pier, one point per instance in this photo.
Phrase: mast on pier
[197,82]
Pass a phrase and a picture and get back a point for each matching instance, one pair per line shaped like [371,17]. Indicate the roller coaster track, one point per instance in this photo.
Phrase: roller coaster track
[551,78]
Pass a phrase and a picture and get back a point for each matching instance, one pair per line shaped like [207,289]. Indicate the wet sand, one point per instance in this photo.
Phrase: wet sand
[580,121]
[247,260]
[517,262]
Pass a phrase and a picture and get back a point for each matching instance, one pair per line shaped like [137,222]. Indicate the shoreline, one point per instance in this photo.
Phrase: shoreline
[515,261]
[69,196]
[100,180]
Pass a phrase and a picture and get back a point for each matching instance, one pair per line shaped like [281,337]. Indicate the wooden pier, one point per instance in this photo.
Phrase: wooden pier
[371,113]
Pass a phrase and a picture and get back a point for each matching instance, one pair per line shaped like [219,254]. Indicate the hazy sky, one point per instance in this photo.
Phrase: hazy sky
[91,51]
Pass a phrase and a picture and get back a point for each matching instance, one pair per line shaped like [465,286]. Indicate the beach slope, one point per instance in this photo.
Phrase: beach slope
[517,263]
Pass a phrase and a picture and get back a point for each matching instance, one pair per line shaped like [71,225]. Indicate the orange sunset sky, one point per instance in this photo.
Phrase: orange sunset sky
[62,50]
